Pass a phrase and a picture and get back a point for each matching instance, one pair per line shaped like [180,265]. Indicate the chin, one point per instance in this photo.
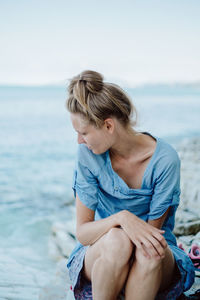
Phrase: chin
[98,151]
[94,151]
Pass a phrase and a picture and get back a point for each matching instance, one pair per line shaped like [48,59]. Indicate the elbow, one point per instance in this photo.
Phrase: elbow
[80,237]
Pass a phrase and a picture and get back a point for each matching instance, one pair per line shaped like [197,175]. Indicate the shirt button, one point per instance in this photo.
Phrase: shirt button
[116,188]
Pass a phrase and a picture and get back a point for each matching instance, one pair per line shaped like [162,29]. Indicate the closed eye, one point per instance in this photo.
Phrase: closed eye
[83,133]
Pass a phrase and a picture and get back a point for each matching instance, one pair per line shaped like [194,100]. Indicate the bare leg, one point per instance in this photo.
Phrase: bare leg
[107,264]
[147,276]
[107,281]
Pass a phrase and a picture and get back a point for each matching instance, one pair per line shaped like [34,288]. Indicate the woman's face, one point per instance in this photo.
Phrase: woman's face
[97,140]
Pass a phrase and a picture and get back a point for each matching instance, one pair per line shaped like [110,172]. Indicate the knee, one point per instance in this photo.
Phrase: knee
[117,246]
[147,265]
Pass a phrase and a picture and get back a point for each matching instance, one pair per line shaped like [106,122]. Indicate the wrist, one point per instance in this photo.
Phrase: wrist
[122,217]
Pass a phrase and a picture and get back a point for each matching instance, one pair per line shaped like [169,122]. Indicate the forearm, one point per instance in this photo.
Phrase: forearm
[89,232]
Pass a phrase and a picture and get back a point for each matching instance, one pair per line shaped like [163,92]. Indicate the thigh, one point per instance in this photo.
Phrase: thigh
[92,253]
[168,269]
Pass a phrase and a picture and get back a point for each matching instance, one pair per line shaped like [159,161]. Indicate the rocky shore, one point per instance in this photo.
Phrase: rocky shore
[187,228]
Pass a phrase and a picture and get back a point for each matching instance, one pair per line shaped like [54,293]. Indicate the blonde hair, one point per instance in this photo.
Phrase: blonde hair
[97,100]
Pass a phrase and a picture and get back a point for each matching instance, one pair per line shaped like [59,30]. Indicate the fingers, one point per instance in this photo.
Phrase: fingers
[150,247]
[142,249]
[161,231]
[160,238]
[148,250]
[152,253]
[158,235]
[147,238]
[155,247]
[154,243]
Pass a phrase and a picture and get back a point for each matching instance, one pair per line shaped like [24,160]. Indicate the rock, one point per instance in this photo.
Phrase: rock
[59,287]
[187,216]
[184,216]
[188,240]
[19,281]
[185,240]
[70,295]
[196,239]
[189,153]
[62,240]
[187,228]
[195,287]
[52,292]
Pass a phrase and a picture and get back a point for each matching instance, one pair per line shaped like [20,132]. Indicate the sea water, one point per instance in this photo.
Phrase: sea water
[37,154]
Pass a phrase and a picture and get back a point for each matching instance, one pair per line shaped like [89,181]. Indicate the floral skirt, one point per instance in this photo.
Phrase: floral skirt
[83,290]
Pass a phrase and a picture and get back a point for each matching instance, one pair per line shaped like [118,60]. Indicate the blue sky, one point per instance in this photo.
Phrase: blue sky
[130,42]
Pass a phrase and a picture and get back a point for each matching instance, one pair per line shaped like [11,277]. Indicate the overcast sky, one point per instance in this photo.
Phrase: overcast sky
[131,42]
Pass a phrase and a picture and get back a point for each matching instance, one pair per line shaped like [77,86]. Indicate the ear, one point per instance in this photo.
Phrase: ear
[109,125]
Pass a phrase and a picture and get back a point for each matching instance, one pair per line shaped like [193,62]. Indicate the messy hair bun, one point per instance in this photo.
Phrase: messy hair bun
[96,100]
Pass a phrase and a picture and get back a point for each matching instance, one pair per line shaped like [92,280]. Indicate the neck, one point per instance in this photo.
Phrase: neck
[127,143]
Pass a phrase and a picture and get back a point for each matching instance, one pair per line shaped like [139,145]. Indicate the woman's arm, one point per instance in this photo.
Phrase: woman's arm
[143,235]
[89,231]
[158,223]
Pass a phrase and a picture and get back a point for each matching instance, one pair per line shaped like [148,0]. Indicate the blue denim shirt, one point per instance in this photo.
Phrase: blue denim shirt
[101,189]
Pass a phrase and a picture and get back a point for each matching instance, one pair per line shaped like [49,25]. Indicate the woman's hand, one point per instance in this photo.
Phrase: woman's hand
[147,238]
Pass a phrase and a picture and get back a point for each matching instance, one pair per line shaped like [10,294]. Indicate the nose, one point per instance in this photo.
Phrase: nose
[80,139]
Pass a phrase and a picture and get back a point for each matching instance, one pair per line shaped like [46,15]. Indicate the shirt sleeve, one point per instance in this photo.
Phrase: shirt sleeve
[166,189]
[85,185]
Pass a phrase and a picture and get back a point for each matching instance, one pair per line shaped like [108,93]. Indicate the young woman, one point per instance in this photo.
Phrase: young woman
[127,187]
